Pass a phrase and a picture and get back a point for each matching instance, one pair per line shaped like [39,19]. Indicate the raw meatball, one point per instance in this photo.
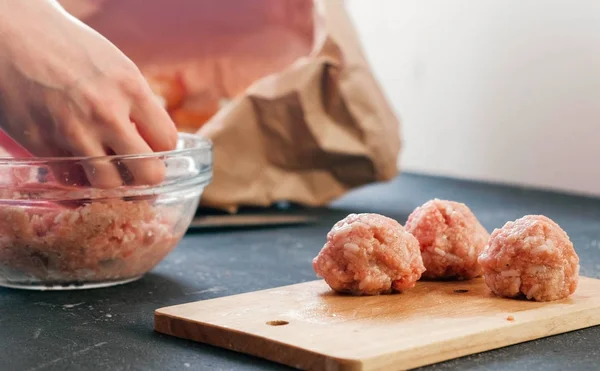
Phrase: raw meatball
[451,238]
[369,254]
[531,257]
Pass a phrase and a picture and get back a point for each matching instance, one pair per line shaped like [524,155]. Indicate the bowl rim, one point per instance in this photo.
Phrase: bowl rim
[202,144]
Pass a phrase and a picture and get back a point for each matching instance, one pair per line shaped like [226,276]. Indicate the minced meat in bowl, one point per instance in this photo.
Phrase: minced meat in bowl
[59,231]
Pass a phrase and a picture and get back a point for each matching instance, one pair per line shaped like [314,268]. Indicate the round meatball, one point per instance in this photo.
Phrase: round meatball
[531,257]
[369,254]
[450,237]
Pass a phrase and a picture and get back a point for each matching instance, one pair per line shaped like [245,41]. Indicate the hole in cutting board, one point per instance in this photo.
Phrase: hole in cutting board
[461,291]
[277,323]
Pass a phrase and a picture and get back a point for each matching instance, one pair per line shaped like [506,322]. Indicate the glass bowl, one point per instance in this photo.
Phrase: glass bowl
[60,230]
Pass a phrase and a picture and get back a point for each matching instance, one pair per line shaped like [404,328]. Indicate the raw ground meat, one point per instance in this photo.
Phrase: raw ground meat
[450,237]
[99,241]
[531,257]
[369,254]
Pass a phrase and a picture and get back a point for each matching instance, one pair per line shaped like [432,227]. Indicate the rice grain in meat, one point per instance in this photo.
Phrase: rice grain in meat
[531,257]
[450,238]
[369,254]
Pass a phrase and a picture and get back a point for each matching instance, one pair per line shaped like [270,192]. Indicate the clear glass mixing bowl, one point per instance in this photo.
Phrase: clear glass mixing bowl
[69,234]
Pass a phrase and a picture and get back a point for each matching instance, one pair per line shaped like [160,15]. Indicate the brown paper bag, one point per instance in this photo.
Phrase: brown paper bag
[281,87]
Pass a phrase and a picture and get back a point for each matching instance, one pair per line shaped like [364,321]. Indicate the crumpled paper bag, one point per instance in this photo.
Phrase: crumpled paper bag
[281,88]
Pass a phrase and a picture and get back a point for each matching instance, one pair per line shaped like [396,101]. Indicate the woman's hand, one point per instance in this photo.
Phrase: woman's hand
[67,91]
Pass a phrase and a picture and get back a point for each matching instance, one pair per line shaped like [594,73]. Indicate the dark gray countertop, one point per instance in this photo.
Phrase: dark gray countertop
[111,329]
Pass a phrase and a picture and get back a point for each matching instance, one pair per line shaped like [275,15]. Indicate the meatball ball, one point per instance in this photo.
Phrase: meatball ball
[450,237]
[369,254]
[531,257]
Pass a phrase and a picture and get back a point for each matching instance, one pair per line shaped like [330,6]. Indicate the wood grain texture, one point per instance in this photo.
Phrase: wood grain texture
[223,221]
[308,327]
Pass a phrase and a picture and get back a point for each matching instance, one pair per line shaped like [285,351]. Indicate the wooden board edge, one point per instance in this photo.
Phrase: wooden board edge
[585,318]
[258,346]
[317,281]
[252,345]
[243,221]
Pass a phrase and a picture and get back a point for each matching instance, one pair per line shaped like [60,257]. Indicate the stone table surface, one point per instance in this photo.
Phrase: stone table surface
[112,328]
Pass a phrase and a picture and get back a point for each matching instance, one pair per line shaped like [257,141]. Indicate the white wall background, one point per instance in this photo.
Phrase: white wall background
[505,91]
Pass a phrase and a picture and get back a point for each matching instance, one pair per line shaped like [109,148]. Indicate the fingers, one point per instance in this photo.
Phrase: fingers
[127,123]
[69,174]
[113,133]
[147,171]
[100,172]
[153,123]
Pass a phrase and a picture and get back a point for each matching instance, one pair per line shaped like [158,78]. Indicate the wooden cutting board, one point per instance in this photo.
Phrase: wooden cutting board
[236,221]
[307,326]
